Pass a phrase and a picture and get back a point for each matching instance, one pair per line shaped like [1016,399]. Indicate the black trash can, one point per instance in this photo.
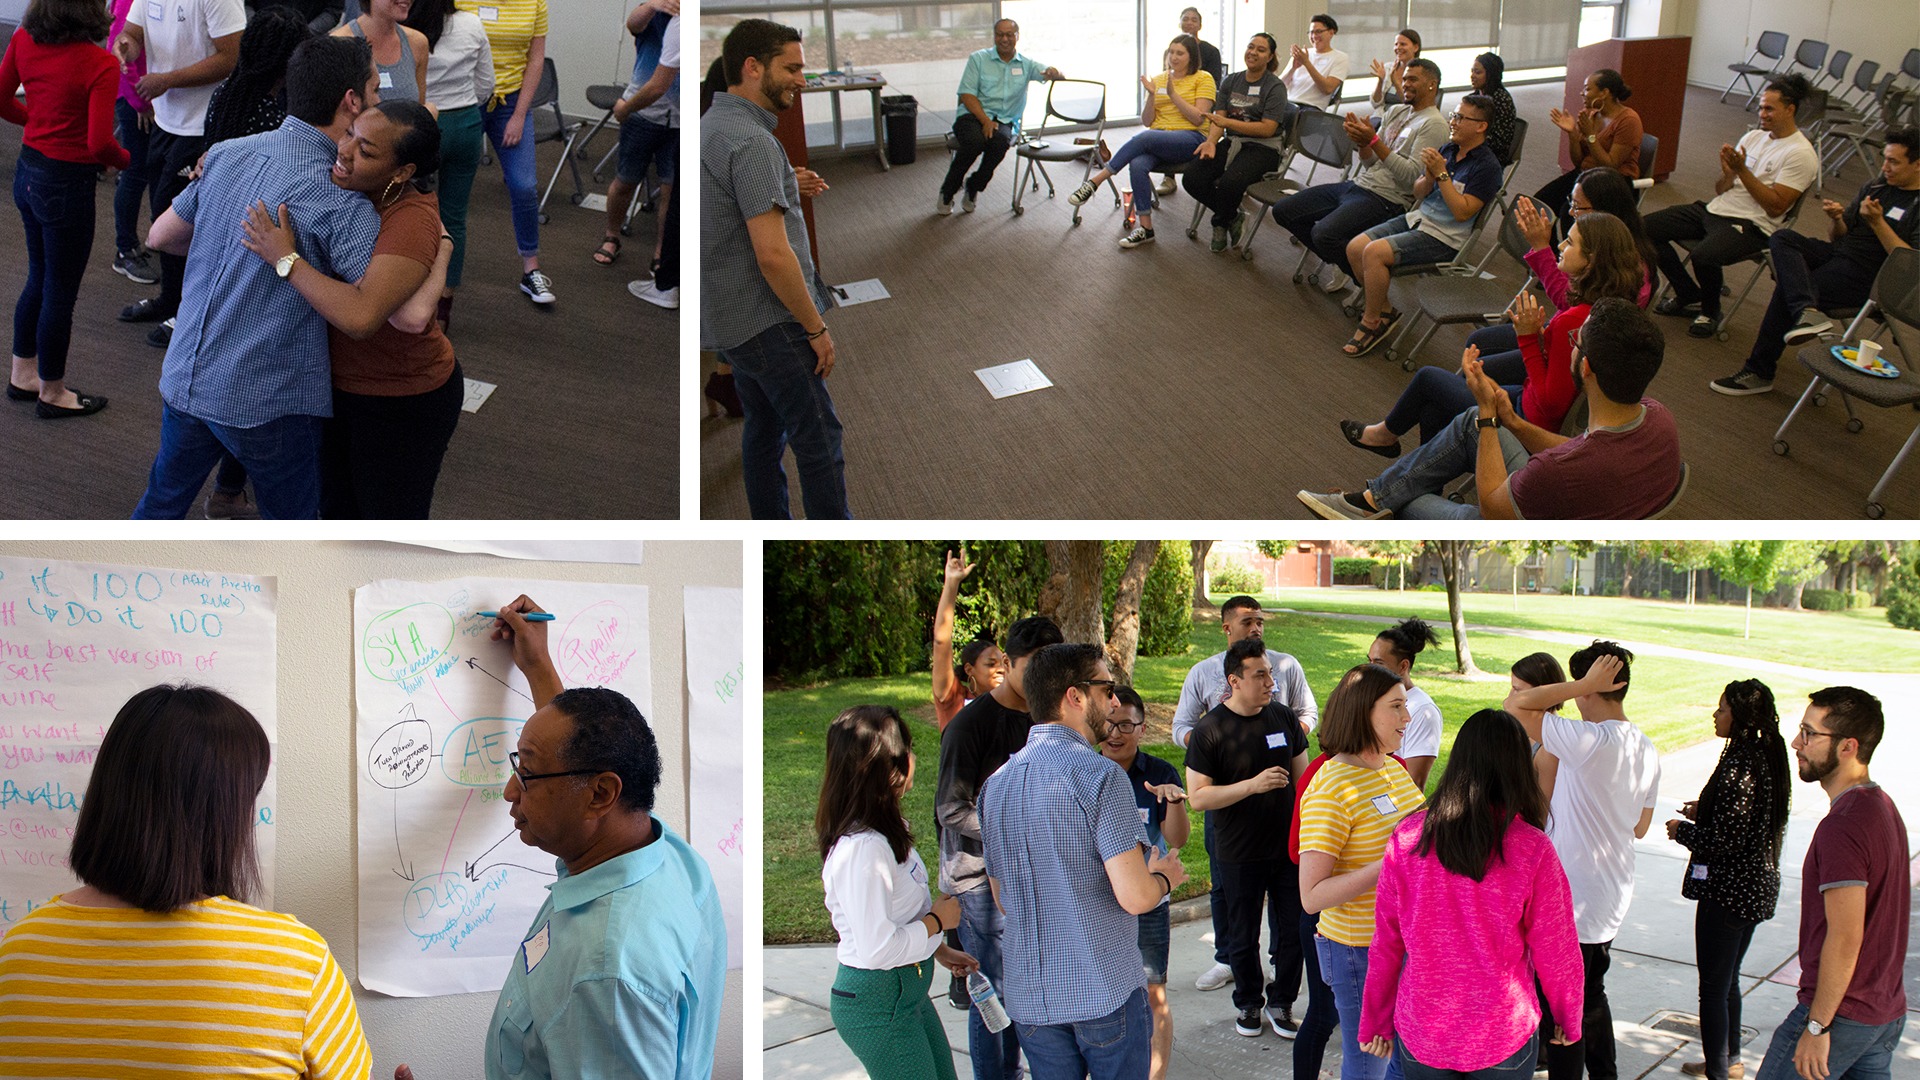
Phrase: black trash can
[900,112]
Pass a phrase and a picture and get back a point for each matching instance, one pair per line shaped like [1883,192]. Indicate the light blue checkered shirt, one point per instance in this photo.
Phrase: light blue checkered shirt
[1051,817]
[247,349]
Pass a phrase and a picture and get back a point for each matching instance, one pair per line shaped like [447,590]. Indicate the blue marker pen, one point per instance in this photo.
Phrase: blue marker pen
[533,616]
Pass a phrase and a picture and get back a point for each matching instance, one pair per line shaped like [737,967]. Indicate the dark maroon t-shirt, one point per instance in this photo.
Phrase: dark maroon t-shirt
[1862,841]
[1614,473]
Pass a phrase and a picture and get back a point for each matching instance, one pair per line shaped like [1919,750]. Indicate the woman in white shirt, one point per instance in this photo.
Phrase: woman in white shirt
[890,929]
[1394,649]
[459,81]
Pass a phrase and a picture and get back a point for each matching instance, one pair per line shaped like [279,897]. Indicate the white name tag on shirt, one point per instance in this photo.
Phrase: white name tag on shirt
[489,14]
[535,947]
[1277,741]
[1146,815]
[1895,213]
[1383,804]
[156,9]
[1016,70]
[386,80]
[1699,873]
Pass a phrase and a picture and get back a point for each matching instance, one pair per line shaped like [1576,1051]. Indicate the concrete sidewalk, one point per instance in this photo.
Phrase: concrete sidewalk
[1653,978]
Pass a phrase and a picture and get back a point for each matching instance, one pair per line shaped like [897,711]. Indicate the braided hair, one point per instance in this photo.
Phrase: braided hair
[253,99]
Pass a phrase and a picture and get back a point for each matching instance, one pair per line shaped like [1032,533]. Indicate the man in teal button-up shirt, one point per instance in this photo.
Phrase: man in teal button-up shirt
[620,974]
[993,96]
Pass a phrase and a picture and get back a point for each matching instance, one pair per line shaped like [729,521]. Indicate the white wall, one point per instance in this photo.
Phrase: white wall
[1724,31]
[589,44]
[315,876]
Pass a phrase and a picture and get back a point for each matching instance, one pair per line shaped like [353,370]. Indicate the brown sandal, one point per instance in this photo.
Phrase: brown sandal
[608,251]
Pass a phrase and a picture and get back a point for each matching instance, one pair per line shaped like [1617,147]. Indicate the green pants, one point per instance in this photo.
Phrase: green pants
[887,1020]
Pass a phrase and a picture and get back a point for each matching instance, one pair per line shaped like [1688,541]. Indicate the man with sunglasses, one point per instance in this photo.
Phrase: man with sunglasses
[1241,761]
[1855,904]
[1063,858]
[621,972]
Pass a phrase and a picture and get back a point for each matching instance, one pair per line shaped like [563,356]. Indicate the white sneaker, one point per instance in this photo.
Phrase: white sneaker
[1214,978]
[538,286]
[1166,185]
[968,201]
[1333,280]
[653,294]
[944,206]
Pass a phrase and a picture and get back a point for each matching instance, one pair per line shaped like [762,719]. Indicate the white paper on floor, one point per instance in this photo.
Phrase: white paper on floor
[1007,380]
[859,292]
[477,394]
[596,203]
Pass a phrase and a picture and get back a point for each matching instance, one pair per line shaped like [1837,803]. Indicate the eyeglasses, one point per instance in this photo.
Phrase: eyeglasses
[1454,118]
[1127,726]
[513,759]
[1089,684]
[1576,349]
[1807,733]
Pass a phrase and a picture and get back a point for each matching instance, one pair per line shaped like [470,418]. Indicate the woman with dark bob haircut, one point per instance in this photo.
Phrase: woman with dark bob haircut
[179,973]
[877,896]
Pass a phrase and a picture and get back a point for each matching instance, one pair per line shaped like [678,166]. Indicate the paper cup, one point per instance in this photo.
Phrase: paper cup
[1868,353]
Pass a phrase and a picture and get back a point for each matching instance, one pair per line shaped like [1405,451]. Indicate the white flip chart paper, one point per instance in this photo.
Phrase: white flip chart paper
[717,822]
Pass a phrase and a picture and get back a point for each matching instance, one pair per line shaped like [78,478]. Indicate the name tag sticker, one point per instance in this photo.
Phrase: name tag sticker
[1383,804]
[1016,70]
[1146,815]
[1277,741]
[156,9]
[535,947]
[1699,873]
[489,14]
[1895,213]
[386,80]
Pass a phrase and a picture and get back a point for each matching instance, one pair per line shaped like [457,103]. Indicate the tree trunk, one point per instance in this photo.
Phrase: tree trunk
[1793,599]
[1748,633]
[1626,578]
[1054,592]
[1403,575]
[1452,558]
[1200,549]
[1077,567]
[1123,641]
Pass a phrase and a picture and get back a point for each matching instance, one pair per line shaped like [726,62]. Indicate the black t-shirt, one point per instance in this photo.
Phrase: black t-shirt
[978,740]
[1861,244]
[1210,62]
[1229,748]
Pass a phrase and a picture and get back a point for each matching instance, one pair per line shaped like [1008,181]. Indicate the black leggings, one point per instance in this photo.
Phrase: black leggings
[380,456]
[1720,940]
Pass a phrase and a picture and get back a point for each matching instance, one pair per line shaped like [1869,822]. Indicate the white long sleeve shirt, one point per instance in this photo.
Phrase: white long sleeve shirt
[877,903]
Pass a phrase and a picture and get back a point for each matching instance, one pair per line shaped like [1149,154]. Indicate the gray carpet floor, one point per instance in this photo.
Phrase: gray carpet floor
[1189,385]
[583,423]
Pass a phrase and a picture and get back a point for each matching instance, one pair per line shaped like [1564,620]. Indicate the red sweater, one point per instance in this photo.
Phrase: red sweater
[69,107]
[1550,386]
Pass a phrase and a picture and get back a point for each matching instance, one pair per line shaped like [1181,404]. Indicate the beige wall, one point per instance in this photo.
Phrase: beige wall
[1724,31]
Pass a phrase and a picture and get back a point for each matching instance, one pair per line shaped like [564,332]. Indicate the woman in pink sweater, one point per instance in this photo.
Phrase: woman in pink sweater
[1472,904]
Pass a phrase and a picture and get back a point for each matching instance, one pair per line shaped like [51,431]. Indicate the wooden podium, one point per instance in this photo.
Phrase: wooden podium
[791,130]
[1655,69]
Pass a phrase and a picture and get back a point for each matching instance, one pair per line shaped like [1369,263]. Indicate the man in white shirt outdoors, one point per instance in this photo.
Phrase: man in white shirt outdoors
[1609,777]
[1318,69]
[1760,180]
[993,97]
[1206,687]
[190,47]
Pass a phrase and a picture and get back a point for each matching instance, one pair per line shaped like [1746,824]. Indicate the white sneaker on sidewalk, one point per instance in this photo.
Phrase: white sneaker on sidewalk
[1214,978]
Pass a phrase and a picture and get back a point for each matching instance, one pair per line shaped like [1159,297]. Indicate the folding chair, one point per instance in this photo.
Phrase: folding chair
[1810,55]
[1858,132]
[1458,295]
[550,125]
[1896,299]
[602,96]
[1036,151]
[1773,46]
[1320,138]
[1836,71]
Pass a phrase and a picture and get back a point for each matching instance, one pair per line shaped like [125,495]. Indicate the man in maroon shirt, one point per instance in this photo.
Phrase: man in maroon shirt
[1855,901]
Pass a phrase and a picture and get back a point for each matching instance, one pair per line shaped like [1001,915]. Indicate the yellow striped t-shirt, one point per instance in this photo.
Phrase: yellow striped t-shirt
[217,988]
[1195,88]
[511,25]
[1348,812]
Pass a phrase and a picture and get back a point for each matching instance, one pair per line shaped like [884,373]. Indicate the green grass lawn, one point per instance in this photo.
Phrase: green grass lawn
[1672,700]
[1859,640]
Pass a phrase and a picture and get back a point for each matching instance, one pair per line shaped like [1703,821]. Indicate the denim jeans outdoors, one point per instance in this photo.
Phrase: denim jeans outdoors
[786,403]
[1117,1046]
[517,167]
[282,455]
[132,182]
[1345,968]
[995,1057]
[1517,1067]
[1855,1052]
[1411,486]
[1148,151]
[55,200]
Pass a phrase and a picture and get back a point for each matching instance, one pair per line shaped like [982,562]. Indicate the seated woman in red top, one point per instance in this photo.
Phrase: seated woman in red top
[397,388]
[71,83]
[1599,259]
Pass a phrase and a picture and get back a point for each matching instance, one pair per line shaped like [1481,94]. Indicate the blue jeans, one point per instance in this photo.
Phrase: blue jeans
[1517,1067]
[1411,246]
[643,143]
[1310,1046]
[1497,338]
[282,455]
[55,199]
[1117,1046]
[1148,151]
[132,182]
[995,1057]
[1855,1052]
[785,402]
[1436,395]
[1156,931]
[517,168]
[1326,216]
[1411,486]
[1345,968]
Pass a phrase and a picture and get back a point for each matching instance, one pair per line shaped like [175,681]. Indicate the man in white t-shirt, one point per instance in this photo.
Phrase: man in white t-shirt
[190,46]
[1761,179]
[1609,777]
[1206,687]
[1318,69]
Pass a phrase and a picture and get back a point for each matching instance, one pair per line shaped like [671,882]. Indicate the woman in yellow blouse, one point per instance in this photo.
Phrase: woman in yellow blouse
[517,34]
[1175,116]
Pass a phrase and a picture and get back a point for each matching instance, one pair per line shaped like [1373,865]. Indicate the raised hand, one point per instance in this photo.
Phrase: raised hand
[1536,224]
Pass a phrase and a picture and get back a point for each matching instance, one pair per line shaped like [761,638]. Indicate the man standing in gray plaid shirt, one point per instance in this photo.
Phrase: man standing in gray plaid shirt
[1071,975]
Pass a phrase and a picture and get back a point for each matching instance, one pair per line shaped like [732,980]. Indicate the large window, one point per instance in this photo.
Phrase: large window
[1532,36]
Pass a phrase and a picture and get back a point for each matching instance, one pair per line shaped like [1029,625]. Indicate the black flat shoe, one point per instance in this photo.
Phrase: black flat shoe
[89,404]
[1353,429]
[14,393]
[148,310]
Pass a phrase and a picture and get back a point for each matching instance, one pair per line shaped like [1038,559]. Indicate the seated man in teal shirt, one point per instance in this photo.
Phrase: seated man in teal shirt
[993,96]
[620,973]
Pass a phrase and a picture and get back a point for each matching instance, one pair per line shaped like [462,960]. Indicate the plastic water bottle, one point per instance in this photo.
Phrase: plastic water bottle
[988,1002]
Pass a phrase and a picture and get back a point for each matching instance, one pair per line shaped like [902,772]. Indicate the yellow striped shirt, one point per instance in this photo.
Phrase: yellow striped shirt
[1349,812]
[1193,88]
[217,988]
[511,25]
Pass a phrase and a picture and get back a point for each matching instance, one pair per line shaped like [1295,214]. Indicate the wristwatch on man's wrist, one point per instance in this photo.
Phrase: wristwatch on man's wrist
[1486,422]
[1816,1028]
[284,265]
